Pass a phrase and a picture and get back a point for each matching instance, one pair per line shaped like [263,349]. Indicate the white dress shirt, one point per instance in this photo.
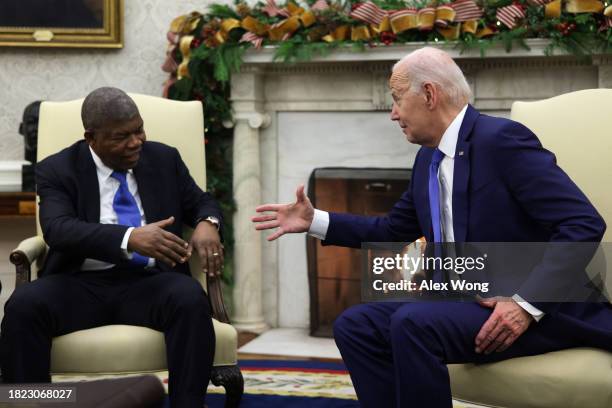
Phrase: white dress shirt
[448,145]
[108,188]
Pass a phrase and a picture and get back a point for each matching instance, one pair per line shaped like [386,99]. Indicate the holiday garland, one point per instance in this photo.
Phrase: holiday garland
[205,48]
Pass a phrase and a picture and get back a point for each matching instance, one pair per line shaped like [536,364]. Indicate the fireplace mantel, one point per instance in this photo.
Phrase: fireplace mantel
[394,52]
[267,95]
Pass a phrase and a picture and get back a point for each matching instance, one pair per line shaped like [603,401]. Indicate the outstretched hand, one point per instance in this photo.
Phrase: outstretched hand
[287,218]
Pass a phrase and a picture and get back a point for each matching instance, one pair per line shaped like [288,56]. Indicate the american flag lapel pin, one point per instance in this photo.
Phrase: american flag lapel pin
[461,153]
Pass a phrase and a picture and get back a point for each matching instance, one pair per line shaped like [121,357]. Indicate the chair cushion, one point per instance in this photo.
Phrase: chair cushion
[574,378]
[127,349]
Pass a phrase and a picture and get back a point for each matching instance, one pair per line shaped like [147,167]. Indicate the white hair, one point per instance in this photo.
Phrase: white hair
[431,65]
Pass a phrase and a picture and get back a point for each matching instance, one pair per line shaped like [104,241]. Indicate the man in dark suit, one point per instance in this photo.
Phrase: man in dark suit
[112,208]
[476,179]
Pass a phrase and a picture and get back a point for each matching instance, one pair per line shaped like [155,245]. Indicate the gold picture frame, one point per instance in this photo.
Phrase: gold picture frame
[86,24]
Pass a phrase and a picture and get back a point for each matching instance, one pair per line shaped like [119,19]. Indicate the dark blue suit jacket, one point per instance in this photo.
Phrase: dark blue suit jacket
[506,188]
[67,184]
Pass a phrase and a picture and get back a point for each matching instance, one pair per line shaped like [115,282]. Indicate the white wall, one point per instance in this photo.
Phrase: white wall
[27,75]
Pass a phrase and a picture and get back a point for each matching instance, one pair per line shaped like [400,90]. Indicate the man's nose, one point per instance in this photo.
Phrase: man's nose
[135,140]
[394,114]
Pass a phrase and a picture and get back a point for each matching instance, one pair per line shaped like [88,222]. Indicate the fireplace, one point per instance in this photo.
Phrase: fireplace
[334,273]
[334,111]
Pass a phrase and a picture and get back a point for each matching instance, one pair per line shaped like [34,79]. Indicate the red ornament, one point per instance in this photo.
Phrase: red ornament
[195,43]
[387,37]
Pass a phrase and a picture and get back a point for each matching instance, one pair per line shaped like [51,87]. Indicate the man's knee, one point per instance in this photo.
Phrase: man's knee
[186,294]
[350,323]
[413,318]
[25,303]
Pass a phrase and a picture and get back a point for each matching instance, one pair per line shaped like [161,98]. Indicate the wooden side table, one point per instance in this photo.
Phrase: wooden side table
[17,205]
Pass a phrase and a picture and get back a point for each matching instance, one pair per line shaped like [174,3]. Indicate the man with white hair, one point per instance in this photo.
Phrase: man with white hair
[476,179]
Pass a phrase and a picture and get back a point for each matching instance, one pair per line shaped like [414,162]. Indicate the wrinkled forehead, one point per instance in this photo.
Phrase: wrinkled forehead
[399,80]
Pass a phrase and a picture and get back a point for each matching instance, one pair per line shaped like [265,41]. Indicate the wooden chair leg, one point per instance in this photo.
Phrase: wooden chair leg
[230,378]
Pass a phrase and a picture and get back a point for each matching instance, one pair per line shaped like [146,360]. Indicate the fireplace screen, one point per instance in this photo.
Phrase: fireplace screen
[334,273]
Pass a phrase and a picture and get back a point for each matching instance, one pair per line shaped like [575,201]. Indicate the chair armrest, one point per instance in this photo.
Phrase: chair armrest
[215,295]
[27,252]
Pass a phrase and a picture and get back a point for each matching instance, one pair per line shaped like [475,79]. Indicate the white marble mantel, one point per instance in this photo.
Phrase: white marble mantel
[290,118]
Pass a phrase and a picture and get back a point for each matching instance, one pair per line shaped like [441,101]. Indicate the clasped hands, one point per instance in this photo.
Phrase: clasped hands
[153,241]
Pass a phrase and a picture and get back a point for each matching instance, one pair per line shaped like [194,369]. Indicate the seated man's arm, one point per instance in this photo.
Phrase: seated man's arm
[198,206]
[63,230]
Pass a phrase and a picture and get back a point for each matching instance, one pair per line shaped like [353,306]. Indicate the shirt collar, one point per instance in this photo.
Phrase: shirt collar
[448,143]
[104,172]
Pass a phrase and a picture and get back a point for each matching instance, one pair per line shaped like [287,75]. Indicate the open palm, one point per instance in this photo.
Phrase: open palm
[287,218]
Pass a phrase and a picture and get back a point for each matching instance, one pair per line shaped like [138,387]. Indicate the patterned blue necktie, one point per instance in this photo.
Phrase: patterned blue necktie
[434,194]
[127,211]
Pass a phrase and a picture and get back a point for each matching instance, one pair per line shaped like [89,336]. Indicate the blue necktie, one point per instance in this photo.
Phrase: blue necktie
[434,194]
[434,209]
[127,211]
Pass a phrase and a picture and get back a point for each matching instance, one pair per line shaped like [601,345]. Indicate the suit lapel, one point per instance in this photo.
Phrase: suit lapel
[461,175]
[145,179]
[89,190]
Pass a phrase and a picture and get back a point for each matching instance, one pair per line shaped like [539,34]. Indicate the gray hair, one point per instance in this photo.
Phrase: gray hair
[431,65]
[105,105]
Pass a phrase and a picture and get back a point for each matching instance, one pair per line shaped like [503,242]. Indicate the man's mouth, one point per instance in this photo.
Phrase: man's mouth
[133,156]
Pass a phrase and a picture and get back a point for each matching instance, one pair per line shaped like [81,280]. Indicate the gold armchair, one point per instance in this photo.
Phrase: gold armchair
[119,349]
[575,127]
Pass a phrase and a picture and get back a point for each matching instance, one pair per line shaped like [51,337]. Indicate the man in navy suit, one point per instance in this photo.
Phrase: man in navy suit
[476,179]
[112,208]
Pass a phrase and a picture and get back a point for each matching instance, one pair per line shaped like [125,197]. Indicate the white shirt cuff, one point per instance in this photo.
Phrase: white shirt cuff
[124,244]
[536,313]
[319,225]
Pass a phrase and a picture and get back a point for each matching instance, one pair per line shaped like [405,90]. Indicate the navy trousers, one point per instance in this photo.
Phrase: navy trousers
[396,353]
[58,304]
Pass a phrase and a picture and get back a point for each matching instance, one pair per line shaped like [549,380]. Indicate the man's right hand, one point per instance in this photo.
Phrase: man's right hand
[153,241]
[294,217]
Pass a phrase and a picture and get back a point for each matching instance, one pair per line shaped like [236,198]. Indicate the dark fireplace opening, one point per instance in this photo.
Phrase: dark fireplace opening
[334,273]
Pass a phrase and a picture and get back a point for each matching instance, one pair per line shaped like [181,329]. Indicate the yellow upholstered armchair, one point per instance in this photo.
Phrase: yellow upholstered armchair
[575,127]
[121,349]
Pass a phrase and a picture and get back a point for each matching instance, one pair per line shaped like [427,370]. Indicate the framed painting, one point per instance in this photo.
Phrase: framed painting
[61,23]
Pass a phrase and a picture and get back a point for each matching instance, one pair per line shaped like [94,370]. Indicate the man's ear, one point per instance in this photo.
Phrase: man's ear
[89,136]
[430,94]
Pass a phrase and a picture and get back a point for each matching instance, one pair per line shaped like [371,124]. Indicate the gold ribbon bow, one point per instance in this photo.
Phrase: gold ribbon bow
[254,26]
[279,30]
[403,20]
[227,25]
[426,18]
[584,6]
[338,34]
[307,17]
[445,15]
[185,48]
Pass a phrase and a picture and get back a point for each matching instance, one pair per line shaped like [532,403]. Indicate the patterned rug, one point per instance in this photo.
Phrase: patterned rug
[293,384]
[281,384]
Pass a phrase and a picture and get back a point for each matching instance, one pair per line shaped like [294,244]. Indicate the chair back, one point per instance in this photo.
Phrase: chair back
[575,128]
[175,123]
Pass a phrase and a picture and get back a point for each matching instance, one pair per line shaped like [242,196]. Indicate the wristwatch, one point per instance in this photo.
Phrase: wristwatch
[213,220]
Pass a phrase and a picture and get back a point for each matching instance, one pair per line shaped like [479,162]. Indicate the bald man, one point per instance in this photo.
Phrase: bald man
[476,178]
[112,209]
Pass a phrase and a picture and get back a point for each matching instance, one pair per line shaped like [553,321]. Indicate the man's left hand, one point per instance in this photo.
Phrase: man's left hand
[206,241]
[507,322]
